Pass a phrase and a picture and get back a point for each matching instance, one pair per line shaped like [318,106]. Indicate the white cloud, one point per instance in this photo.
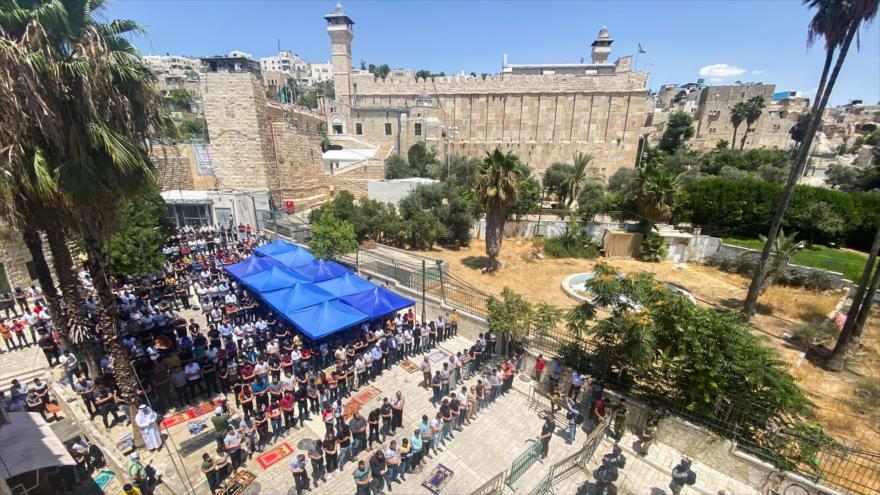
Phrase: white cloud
[759,72]
[719,72]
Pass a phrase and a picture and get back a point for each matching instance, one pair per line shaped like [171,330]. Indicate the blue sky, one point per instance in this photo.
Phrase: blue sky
[759,40]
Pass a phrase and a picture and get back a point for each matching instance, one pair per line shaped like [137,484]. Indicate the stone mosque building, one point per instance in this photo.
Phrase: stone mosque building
[542,112]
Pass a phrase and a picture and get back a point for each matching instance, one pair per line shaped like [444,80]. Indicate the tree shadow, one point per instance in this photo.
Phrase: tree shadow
[735,303]
[475,262]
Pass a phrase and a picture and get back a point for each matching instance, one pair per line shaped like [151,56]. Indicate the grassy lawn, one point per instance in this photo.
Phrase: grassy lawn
[850,263]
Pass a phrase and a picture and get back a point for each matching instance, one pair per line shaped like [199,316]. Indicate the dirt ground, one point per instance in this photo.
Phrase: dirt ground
[847,402]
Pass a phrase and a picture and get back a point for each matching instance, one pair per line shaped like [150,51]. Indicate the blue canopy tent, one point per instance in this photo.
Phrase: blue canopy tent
[296,297]
[377,302]
[276,247]
[320,320]
[293,258]
[321,270]
[346,285]
[250,266]
[273,279]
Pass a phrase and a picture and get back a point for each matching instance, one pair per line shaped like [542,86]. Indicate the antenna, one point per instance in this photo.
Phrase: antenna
[279,43]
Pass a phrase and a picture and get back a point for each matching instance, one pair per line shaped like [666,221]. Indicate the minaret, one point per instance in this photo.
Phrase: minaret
[602,47]
[339,27]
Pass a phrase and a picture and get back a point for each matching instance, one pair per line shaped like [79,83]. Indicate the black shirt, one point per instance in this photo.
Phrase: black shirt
[343,436]
[549,427]
[374,415]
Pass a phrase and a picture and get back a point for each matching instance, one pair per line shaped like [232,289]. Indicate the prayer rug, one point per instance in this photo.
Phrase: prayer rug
[104,477]
[350,408]
[273,456]
[125,444]
[407,365]
[202,409]
[236,484]
[366,395]
[175,420]
[437,356]
[438,478]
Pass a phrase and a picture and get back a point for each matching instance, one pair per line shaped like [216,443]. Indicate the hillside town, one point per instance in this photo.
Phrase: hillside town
[235,274]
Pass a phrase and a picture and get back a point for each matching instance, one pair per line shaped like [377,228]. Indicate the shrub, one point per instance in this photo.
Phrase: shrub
[580,246]
[793,276]
[653,249]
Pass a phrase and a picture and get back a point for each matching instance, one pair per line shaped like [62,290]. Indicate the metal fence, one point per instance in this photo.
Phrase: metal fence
[428,278]
[494,486]
[576,461]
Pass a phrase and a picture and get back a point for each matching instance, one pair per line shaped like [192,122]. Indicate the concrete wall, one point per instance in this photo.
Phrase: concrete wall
[392,191]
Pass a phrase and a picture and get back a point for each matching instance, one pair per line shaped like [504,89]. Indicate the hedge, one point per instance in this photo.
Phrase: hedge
[744,208]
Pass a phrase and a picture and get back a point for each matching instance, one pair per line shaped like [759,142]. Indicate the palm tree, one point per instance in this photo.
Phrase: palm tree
[838,23]
[102,107]
[837,359]
[579,176]
[496,189]
[784,248]
[655,196]
[737,115]
[754,109]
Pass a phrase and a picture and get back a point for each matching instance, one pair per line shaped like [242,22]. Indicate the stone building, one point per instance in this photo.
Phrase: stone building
[711,108]
[544,112]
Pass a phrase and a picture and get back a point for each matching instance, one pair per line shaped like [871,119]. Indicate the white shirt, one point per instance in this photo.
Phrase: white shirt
[192,371]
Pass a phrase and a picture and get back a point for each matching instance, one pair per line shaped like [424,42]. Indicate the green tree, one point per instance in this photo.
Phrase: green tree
[496,190]
[458,218]
[308,99]
[843,177]
[420,158]
[136,248]
[754,108]
[837,22]
[423,74]
[528,195]
[397,168]
[737,116]
[799,129]
[581,173]
[656,194]
[557,178]
[679,129]
[591,200]
[509,316]
[332,237]
[192,128]
[783,249]
[179,99]
[101,159]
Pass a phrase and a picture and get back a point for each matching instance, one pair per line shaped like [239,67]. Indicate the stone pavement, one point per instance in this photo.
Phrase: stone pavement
[22,364]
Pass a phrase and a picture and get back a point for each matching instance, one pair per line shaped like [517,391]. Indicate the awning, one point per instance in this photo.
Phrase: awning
[276,247]
[323,319]
[346,285]
[28,443]
[296,297]
[273,279]
[377,302]
[250,266]
[321,270]
[295,258]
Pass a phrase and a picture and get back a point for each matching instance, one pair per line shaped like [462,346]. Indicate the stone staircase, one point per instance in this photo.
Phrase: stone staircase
[308,194]
[23,365]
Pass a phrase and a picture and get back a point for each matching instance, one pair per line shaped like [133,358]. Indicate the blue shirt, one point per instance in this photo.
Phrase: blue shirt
[258,387]
[416,443]
[376,353]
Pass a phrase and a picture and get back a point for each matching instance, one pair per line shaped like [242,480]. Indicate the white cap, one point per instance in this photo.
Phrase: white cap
[218,410]
[134,456]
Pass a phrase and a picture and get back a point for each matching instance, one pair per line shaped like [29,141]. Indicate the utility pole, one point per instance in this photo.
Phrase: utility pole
[424,314]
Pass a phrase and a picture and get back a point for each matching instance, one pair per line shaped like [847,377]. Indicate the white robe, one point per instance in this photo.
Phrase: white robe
[146,420]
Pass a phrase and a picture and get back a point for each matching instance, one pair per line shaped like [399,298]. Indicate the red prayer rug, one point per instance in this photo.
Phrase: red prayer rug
[273,456]
[366,395]
[175,420]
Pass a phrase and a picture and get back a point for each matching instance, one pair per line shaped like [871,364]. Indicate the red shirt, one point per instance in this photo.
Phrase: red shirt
[539,366]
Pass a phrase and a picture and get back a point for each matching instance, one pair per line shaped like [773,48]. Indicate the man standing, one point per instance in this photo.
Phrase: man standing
[539,367]
[682,475]
[146,420]
[378,468]
[555,373]
[232,444]
[221,423]
[620,417]
[397,411]
[358,427]
[546,432]
[50,348]
[300,477]
[574,418]
[343,439]
[139,474]
[362,478]
[574,389]
[426,371]
[598,412]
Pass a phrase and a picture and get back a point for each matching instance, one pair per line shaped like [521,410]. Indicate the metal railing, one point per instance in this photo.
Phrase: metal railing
[494,486]
[577,461]
[521,464]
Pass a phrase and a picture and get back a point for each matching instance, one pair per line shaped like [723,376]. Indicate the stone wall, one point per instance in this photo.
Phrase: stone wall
[543,119]
[238,127]
[176,168]
[14,256]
